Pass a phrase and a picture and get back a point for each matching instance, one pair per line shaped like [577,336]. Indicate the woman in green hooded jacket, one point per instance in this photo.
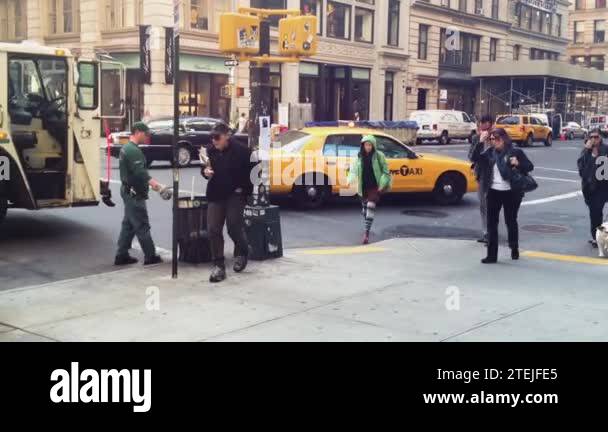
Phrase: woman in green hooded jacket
[373,178]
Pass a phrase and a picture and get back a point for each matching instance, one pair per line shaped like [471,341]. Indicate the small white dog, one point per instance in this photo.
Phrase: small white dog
[602,239]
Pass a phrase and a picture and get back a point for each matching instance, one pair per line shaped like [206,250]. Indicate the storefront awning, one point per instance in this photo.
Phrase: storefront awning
[540,69]
[130,60]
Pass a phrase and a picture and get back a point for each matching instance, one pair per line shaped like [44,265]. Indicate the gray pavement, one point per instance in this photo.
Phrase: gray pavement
[53,245]
[396,290]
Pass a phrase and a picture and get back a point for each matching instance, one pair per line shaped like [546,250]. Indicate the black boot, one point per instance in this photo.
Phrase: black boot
[240,263]
[153,260]
[515,254]
[125,260]
[218,274]
[489,260]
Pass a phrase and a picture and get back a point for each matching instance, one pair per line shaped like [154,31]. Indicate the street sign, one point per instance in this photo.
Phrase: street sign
[176,17]
[231,63]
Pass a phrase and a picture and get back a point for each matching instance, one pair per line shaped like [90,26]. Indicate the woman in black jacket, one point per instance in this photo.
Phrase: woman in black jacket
[499,162]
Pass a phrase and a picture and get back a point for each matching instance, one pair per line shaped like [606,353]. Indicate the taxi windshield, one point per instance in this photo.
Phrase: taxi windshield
[294,141]
[508,120]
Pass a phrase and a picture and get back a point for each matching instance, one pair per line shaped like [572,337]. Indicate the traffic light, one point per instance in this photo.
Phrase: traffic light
[298,36]
[239,33]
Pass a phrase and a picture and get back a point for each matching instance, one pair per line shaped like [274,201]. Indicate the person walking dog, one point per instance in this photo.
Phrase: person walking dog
[228,170]
[505,166]
[373,178]
[481,142]
[136,183]
[595,187]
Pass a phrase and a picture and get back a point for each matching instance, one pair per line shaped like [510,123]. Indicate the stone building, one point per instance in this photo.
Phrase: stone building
[360,67]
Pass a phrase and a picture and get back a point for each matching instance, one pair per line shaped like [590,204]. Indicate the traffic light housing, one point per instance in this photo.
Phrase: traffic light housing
[239,33]
[298,36]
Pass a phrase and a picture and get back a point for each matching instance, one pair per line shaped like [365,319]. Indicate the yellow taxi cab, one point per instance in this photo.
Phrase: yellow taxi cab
[312,164]
[526,129]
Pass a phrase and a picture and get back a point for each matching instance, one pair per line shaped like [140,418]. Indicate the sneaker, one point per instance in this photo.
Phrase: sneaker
[240,263]
[154,260]
[366,238]
[217,275]
[125,260]
[489,260]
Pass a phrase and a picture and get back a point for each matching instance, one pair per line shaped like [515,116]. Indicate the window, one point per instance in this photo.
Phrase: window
[548,23]
[495,8]
[579,31]
[600,4]
[122,13]
[596,62]
[394,11]
[423,41]
[391,148]
[462,5]
[524,17]
[342,145]
[493,49]
[199,14]
[87,86]
[314,8]
[479,7]
[64,16]
[338,20]
[13,20]
[516,51]
[535,22]
[200,125]
[579,4]
[270,4]
[558,25]
[389,89]
[364,25]
[599,31]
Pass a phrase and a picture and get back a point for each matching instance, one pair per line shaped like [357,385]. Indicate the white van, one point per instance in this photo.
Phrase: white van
[443,125]
[601,122]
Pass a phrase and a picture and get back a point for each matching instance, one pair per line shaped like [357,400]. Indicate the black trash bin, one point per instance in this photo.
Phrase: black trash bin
[193,238]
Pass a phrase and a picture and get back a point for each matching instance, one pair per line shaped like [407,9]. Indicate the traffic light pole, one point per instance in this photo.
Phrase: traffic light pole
[260,107]
[176,117]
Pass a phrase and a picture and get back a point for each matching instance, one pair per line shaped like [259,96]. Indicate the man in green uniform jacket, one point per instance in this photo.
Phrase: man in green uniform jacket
[136,183]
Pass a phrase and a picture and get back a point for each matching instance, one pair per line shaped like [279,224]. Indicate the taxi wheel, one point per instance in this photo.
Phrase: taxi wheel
[549,140]
[3,208]
[311,197]
[529,142]
[450,188]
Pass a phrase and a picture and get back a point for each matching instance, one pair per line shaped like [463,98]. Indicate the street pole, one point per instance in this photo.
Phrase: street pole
[176,118]
[260,107]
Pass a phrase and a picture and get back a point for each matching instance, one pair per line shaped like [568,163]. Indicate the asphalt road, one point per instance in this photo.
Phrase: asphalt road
[46,246]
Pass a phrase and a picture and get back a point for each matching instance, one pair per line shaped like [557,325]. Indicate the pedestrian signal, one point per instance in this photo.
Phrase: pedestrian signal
[298,36]
[239,33]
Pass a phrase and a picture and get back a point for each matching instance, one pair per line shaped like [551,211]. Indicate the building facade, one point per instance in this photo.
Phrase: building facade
[359,72]
[587,32]
[448,36]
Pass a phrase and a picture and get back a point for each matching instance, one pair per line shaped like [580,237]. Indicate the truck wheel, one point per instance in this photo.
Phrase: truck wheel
[450,188]
[549,140]
[444,139]
[184,156]
[3,208]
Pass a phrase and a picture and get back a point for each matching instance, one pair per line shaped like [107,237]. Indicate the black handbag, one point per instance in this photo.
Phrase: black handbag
[523,182]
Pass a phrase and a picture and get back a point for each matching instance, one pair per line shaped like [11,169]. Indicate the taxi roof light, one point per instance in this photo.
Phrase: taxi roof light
[3,135]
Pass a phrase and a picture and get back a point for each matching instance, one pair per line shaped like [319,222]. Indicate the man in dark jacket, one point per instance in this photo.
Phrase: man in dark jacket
[481,142]
[228,169]
[593,169]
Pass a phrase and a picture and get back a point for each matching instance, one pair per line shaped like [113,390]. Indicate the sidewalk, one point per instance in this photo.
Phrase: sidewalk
[398,290]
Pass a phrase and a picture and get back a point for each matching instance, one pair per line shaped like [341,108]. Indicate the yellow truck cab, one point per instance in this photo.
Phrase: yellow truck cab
[50,120]
[312,164]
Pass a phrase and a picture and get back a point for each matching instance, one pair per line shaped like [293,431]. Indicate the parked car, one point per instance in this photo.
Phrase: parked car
[195,132]
[573,130]
[311,165]
[526,129]
[443,125]
[601,122]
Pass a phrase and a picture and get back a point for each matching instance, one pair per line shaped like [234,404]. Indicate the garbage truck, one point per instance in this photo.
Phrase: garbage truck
[51,111]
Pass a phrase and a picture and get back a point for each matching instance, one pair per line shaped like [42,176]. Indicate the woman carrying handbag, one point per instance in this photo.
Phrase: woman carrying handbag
[508,169]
